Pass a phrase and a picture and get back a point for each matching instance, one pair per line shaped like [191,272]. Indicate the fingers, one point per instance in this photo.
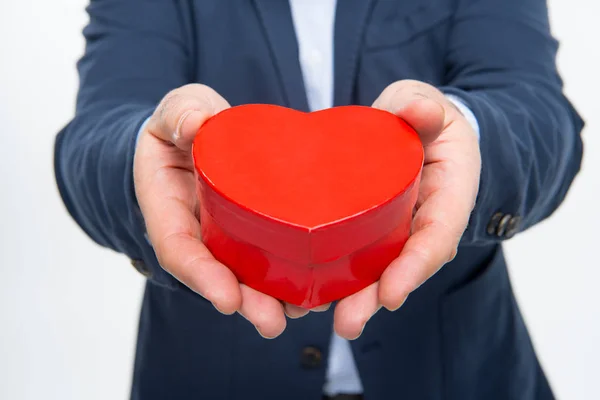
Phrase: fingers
[422,106]
[294,311]
[182,112]
[437,228]
[353,312]
[165,185]
[262,311]
[176,240]
[426,116]
[180,251]
[321,308]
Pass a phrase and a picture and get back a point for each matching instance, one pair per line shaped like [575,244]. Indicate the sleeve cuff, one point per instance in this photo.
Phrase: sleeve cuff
[137,138]
[141,130]
[466,111]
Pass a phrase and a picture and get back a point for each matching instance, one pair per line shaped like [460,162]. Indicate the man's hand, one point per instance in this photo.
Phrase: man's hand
[449,186]
[165,189]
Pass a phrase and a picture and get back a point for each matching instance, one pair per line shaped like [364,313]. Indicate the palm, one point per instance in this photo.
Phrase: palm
[173,178]
[165,184]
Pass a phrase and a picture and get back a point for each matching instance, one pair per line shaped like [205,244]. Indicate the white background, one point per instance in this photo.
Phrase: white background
[69,309]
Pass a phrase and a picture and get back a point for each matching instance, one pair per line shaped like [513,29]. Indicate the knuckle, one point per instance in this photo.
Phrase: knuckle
[171,99]
[409,85]
[427,221]
[196,88]
[167,107]
[423,254]
[398,101]
[390,91]
[395,86]
[401,84]
[396,90]
[176,102]
[202,95]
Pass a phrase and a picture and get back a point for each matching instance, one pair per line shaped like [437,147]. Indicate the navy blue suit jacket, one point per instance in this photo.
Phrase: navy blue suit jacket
[459,336]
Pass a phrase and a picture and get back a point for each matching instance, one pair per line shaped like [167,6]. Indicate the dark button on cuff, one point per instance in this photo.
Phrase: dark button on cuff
[311,358]
[493,224]
[141,267]
[501,230]
[512,227]
[504,225]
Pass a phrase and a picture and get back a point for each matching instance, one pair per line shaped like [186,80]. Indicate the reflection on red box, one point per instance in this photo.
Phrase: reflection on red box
[308,208]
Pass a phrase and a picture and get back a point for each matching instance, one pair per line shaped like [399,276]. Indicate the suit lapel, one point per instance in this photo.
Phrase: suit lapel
[350,23]
[276,18]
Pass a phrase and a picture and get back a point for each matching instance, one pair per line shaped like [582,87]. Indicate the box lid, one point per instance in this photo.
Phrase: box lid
[307,187]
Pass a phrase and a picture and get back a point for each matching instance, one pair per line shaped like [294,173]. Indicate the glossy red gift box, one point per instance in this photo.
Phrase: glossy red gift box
[306,207]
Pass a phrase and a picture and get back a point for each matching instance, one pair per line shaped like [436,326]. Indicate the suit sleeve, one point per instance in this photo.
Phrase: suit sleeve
[501,64]
[136,52]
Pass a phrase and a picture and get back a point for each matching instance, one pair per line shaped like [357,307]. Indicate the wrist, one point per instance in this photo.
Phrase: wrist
[141,131]
[465,111]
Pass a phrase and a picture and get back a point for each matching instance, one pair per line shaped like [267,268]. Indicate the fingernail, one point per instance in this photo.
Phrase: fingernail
[321,308]
[406,101]
[294,312]
[177,133]
[293,316]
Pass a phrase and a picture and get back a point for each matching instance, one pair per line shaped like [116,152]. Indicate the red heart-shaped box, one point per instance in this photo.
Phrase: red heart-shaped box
[306,207]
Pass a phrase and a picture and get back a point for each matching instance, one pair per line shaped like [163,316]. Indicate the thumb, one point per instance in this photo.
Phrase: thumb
[182,112]
[421,106]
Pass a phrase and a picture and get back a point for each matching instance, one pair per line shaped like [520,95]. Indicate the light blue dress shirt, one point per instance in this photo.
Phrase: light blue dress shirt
[314,25]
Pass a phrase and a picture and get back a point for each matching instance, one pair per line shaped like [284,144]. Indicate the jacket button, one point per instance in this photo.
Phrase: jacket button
[141,267]
[512,227]
[492,226]
[311,358]
[501,229]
